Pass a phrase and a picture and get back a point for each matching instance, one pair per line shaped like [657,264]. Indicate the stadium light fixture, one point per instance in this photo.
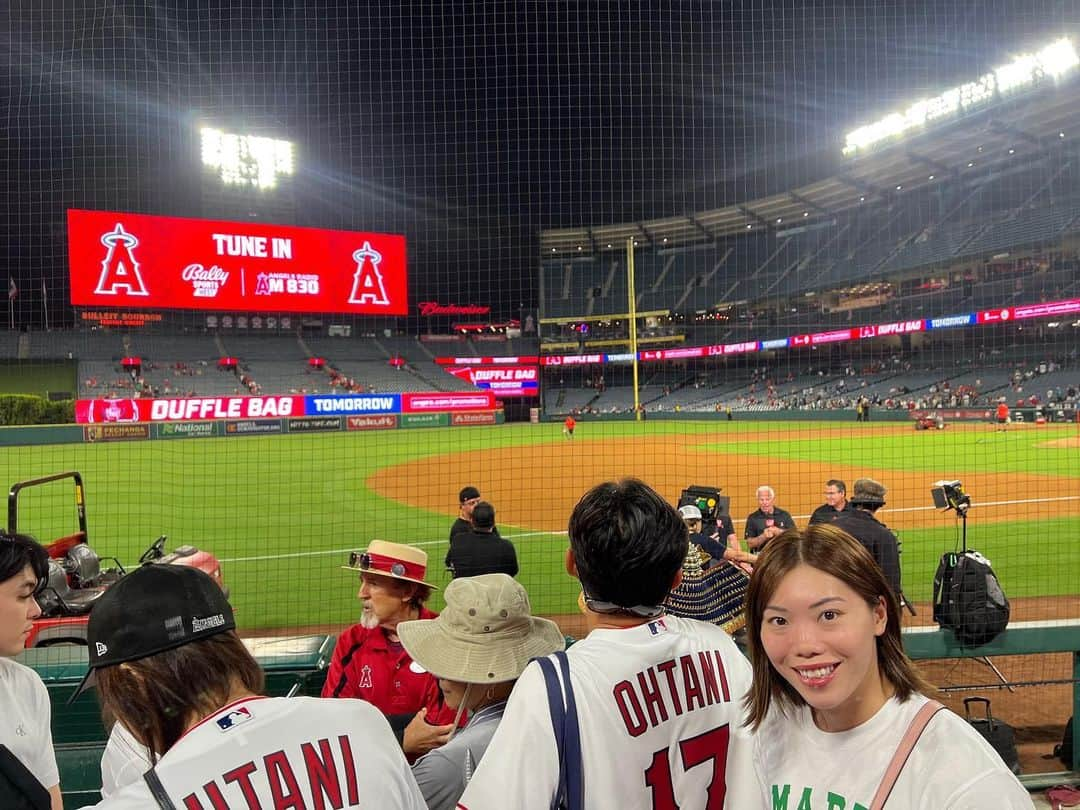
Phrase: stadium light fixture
[1012,151]
[246,160]
[1027,70]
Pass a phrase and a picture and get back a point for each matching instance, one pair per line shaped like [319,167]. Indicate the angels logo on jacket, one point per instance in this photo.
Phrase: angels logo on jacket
[234,718]
[365,677]
[120,268]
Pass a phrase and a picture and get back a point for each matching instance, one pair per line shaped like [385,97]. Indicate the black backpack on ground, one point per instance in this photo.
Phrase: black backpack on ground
[968,598]
[999,734]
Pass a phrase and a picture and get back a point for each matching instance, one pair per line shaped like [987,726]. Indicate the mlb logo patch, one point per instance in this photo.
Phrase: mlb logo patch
[234,718]
[657,627]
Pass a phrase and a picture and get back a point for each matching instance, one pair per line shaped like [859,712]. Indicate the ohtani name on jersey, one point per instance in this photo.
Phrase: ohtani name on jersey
[325,767]
[668,689]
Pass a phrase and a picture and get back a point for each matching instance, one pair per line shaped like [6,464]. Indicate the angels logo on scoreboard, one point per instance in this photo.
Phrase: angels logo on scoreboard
[368,282]
[120,268]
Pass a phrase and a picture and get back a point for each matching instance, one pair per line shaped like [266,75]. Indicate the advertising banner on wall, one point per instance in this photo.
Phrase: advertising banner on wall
[329,407]
[435,402]
[502,381]
[150,262]
[92,411]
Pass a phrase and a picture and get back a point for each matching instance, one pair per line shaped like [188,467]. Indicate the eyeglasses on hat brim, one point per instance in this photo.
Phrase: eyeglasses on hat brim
[362,560]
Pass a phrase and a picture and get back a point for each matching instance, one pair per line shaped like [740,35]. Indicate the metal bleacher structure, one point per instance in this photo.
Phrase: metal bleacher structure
[1001,181]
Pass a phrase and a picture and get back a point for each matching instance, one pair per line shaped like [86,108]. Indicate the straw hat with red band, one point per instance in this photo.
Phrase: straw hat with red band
[394,560]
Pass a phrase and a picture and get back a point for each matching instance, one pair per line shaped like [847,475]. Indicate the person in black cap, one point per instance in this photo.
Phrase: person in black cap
[867,497]
[168,664]
[28,772]
[481,550]
[468,498]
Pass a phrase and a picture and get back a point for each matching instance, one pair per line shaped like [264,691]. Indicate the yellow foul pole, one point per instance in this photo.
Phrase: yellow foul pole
[632,309]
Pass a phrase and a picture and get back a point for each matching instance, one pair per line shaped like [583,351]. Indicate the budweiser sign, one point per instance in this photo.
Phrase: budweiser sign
[431,308]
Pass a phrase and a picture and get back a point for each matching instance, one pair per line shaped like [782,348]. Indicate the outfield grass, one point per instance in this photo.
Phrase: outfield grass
[282,510]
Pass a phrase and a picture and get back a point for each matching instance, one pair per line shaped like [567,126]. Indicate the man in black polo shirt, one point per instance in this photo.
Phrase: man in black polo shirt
[468,498]
[482,550]
[768,521]
[836,502]
[867,497]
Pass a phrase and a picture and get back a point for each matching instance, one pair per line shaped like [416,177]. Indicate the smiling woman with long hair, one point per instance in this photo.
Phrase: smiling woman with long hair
[834,693]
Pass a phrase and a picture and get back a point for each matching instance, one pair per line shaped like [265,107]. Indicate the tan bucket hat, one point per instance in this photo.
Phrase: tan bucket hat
[485,634]
[394,560]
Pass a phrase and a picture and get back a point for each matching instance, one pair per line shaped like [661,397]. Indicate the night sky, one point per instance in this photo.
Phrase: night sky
[466,126]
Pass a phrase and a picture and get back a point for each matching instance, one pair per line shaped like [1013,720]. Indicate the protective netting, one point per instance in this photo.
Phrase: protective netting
[805,314]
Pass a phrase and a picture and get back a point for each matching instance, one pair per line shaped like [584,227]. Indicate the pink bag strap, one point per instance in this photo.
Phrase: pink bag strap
[903,751]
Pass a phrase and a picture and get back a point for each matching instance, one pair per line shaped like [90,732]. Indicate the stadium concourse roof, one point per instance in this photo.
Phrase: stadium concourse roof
[1030,127]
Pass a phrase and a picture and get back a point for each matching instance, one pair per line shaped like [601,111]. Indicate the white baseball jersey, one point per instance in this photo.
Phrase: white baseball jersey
[659,707]
[283,753]
[25,720]
[125,761]
[801,767]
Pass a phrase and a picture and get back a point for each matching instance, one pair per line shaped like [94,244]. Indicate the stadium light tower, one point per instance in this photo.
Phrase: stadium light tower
[1054,61]
[246,160]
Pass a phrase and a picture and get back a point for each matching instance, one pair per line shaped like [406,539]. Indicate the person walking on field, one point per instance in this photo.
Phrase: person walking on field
[568,427]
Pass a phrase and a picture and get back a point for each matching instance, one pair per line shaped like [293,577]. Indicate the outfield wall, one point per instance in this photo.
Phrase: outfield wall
[137,431]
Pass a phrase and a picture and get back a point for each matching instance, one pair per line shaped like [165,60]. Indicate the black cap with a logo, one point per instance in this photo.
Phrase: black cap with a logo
[153,609]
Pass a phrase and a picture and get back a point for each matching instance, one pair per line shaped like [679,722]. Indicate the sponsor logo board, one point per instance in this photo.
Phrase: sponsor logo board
[185,430]
[248,427]
[314,424]
[425,420]
[116,432]
[375,422]
[487,418]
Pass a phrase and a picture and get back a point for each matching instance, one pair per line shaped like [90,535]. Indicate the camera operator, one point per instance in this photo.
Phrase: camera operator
[867,497]
[711,543]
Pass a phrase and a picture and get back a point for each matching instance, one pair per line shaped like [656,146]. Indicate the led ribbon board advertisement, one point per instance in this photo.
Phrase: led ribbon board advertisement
[136,260]
[96,411]
[502,381]
[509,376]
[1049,309]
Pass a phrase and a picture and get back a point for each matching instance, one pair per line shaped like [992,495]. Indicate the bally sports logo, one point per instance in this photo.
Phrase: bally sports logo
[205,282]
